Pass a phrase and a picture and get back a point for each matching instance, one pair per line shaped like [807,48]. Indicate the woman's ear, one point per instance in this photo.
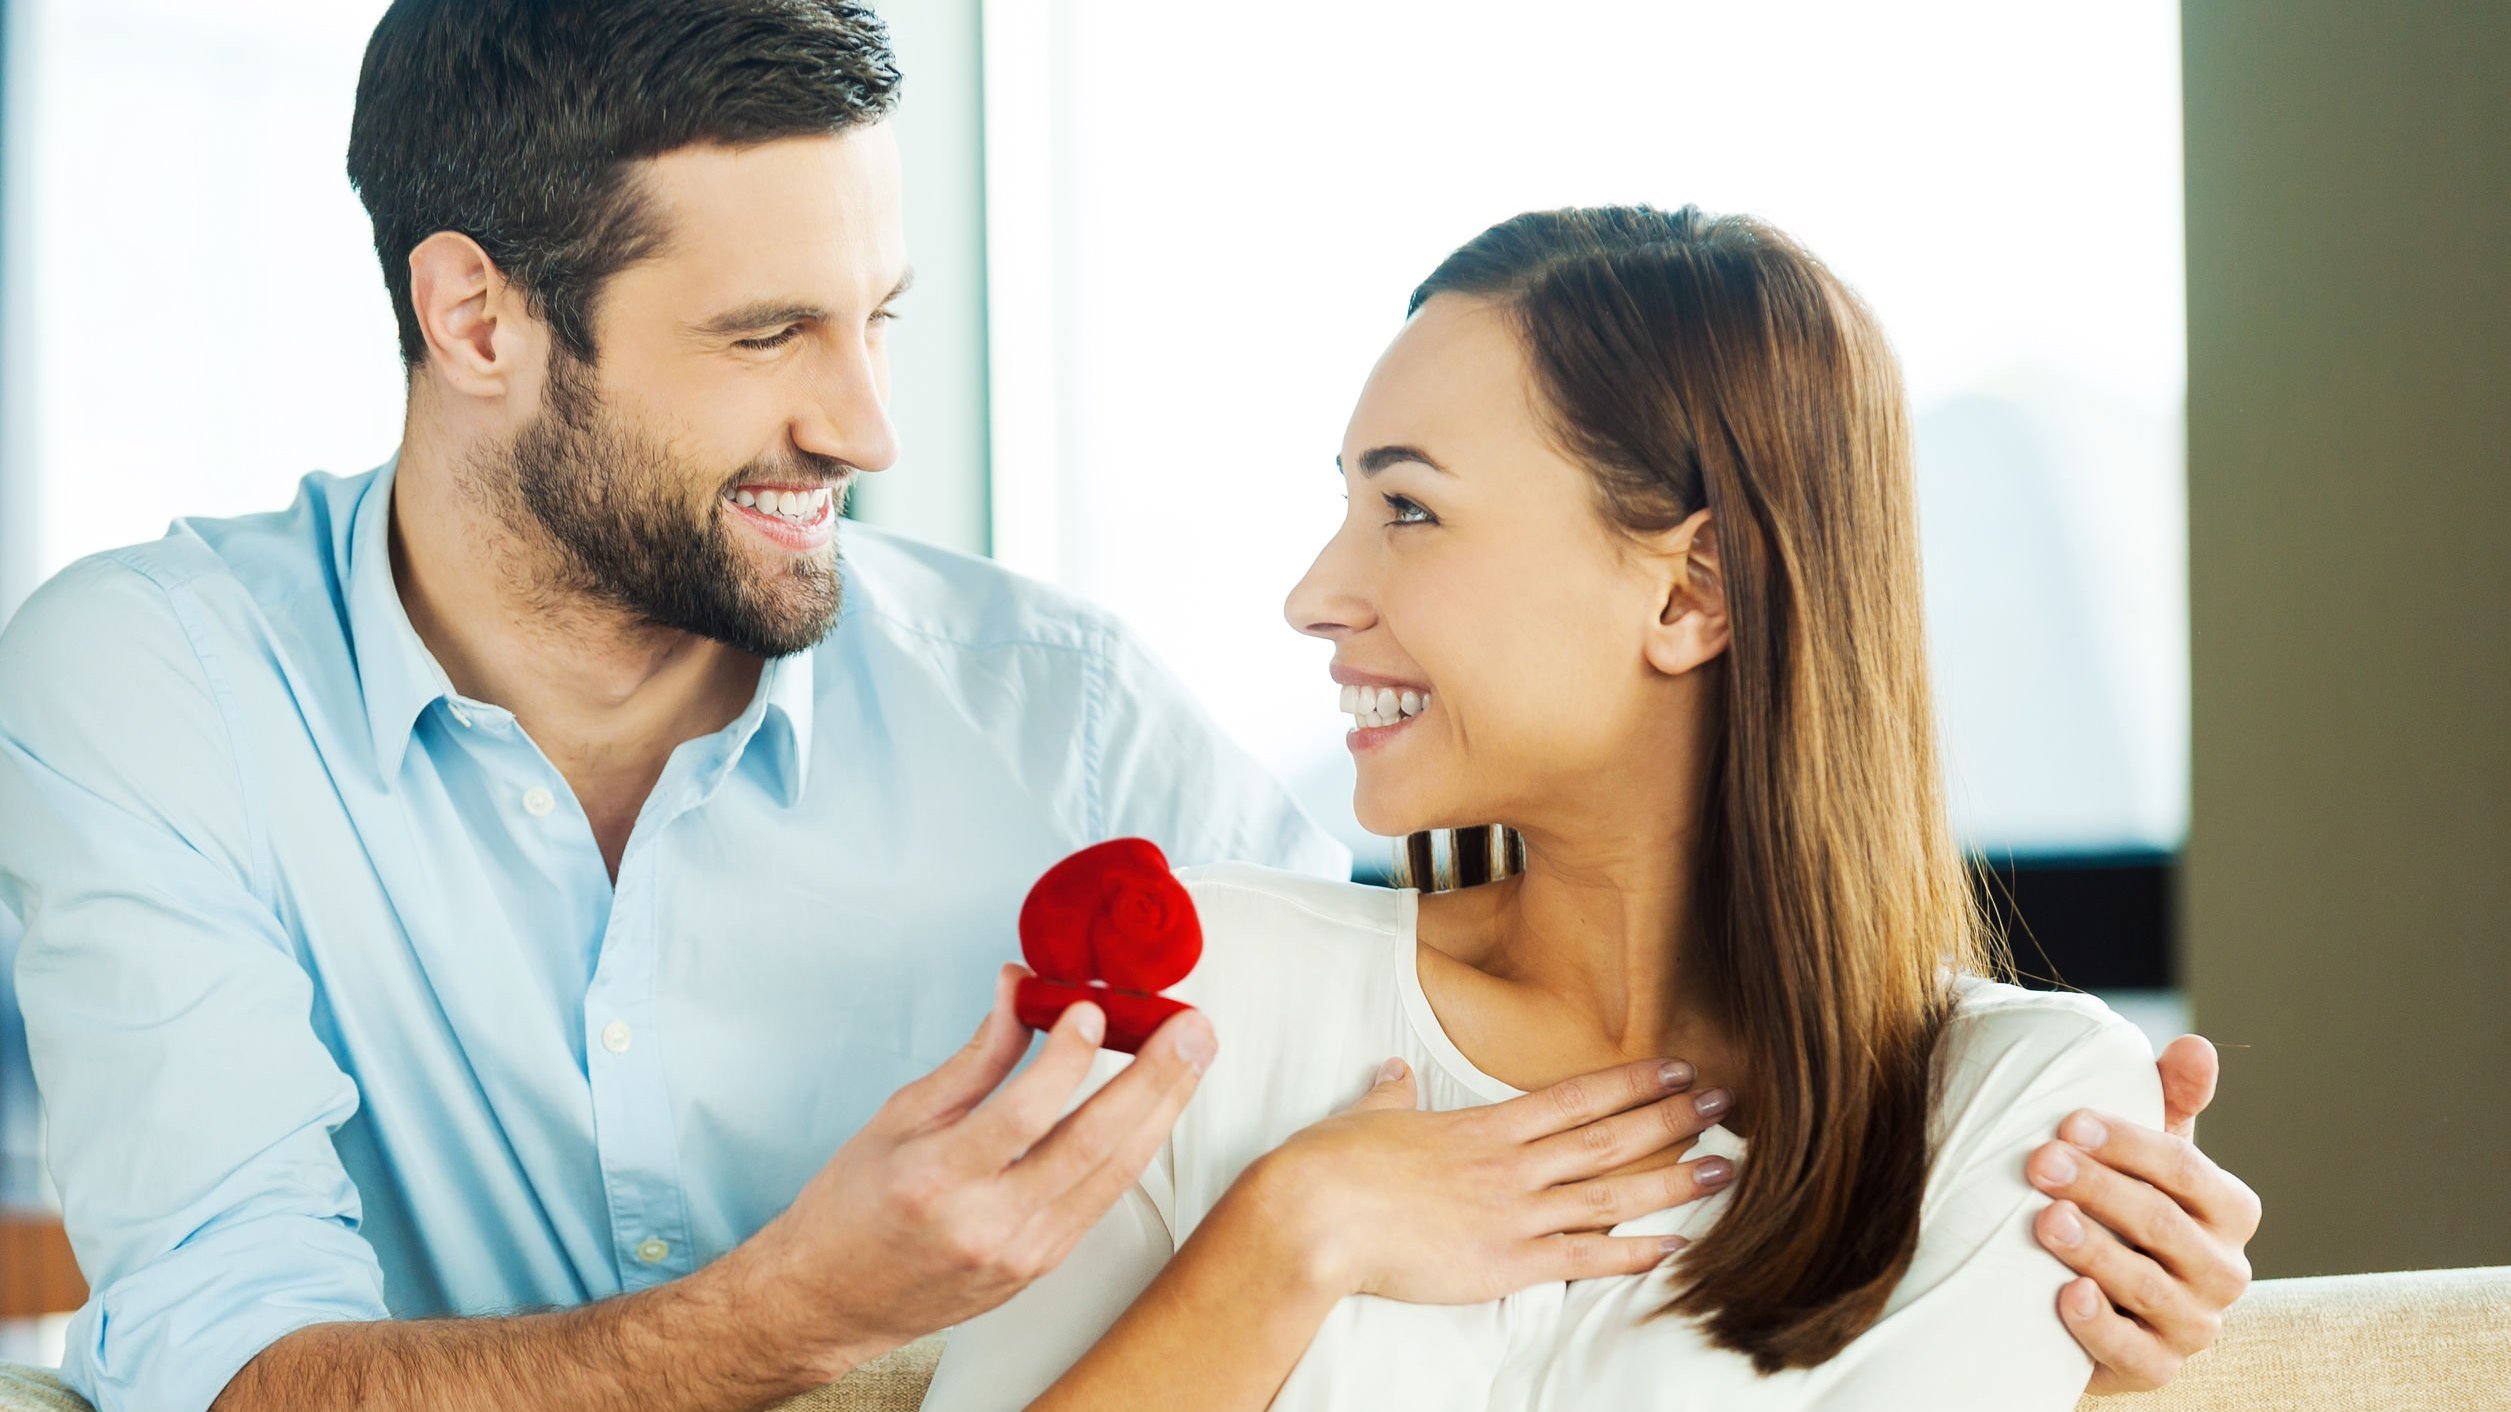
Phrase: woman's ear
[478,327]
[1691,625]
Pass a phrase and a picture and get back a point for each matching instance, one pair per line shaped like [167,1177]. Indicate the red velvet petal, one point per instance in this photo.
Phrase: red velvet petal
[1131,1015]
[1112,912]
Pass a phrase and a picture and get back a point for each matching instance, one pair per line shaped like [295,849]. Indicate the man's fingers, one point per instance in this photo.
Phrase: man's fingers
[2172,1164]
[1575,1102]
[2189,1070]
[1611,1142]
[945,1095]
[1588,1256]
[1021,1111]
[2129,1280]
[1602,1203]
[1098,1150]
[2131,1359]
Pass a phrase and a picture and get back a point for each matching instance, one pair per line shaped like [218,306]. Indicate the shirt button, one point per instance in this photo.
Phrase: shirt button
[652,1252]
[537,802]
[615,1036]
[460,716]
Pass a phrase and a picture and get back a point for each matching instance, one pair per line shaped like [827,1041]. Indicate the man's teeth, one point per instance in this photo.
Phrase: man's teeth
[1383,705]
[800,506]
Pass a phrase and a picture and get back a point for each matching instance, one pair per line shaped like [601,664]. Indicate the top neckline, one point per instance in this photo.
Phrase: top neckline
[1717,1138]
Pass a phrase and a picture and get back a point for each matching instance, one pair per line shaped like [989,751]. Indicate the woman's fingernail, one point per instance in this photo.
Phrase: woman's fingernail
[1713,1172]
[1712,1103]
[1671,1244]
[2081,1301]
[1390,1071]
[2063,1227]
[1674,1074]
[2056,1167]
[2085,1131]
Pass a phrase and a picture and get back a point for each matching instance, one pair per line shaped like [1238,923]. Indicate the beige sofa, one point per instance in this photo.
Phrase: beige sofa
[2424,1341]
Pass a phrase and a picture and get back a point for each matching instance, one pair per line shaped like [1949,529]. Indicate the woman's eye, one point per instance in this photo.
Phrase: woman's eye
[1409,512]
[773,341]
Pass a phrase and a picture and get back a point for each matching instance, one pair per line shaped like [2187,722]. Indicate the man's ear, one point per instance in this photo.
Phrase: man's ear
[1691,623]
[482,340]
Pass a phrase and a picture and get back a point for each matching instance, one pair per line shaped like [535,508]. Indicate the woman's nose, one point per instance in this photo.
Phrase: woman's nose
[1331,600]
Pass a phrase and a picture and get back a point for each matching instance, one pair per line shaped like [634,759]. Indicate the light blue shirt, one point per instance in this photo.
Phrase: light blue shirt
[336,1013]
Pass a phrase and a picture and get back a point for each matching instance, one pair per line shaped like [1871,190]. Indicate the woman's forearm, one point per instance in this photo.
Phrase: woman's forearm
[1219,1329]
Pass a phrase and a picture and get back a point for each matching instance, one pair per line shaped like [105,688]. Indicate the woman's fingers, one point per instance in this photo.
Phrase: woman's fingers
[1393,1090]
[1600,1203]
[1623,1138]
[1588,1256]
[2127,1356]
[1574,1103]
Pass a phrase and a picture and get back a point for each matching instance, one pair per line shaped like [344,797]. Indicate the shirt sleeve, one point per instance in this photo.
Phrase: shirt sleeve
[1006,1357]
[190,1102]
[1980,1282]
[1166,771]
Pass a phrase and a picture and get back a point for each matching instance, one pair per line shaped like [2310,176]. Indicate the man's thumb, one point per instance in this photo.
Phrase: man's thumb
[1393,1089]
[2189,1068]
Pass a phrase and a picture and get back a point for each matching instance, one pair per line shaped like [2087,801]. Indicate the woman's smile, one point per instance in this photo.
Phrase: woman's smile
[1381,707]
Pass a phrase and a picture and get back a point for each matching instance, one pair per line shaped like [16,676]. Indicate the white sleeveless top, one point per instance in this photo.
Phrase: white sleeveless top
[1312,985]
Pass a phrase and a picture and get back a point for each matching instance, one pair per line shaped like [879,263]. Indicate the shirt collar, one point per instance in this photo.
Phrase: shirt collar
[396,674]
[399,678]
[789,688]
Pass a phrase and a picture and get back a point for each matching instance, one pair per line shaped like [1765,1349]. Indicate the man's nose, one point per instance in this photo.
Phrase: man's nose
[848,419]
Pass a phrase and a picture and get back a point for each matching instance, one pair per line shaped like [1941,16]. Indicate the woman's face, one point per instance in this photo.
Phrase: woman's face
[1476,578]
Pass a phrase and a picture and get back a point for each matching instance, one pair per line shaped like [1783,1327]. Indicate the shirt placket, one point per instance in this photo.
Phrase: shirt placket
[633,1131]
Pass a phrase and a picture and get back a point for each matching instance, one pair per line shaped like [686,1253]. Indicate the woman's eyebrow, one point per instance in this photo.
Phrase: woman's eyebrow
[1378,458]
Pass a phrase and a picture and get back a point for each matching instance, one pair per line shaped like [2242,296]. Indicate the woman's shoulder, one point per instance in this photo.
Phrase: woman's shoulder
[2012,1057]
[1267,930]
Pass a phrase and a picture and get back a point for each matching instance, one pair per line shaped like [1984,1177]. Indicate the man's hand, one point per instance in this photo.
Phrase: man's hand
[2162,1250]
[949,1202]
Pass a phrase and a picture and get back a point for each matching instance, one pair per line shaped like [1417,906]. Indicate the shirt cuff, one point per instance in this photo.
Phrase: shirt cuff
[171,1335]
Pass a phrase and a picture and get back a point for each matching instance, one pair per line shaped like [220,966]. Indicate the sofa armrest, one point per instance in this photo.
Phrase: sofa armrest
[2414,1341]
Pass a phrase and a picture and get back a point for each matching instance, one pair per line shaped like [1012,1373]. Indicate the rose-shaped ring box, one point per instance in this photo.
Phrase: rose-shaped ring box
[1112,926]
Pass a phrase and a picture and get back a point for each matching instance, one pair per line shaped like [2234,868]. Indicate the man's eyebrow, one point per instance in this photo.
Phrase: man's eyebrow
[763,313]
[774,313]
[1378,458]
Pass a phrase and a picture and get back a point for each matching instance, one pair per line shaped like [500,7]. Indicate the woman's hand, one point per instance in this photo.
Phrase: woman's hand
[1472,1205]
[2162,1248]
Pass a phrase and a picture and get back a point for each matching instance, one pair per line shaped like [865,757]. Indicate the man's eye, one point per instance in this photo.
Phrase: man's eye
[773,341]
[1409,512]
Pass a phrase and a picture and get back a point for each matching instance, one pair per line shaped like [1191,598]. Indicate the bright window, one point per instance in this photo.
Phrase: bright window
[1204,227]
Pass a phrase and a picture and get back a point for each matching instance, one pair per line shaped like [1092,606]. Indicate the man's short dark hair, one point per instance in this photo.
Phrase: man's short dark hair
[516,122]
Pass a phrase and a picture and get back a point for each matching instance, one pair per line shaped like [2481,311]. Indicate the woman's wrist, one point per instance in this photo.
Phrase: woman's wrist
[1273,1214]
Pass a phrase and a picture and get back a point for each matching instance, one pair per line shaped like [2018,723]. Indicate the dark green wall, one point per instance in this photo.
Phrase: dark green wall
[2349,866]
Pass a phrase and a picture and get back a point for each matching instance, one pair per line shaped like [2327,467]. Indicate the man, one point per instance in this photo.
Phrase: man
[499,882]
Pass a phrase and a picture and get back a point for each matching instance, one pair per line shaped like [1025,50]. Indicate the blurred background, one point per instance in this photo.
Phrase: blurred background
[2203,308]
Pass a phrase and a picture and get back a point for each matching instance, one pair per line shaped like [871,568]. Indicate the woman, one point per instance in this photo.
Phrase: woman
[1630,567]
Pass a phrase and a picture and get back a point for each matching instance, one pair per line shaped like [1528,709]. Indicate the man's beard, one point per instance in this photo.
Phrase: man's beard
[615,504]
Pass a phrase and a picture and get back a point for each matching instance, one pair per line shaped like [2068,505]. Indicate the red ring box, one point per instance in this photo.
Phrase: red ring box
[1113,926]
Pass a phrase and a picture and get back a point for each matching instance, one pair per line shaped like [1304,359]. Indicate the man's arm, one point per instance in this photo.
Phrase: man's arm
[2155,1227]
[947,1203]
[193,1105]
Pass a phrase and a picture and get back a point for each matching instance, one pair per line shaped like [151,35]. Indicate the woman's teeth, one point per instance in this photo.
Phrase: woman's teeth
[1383,705]
[800,506]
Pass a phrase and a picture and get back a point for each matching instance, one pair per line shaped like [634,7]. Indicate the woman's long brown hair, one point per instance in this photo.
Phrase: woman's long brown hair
[1692,361]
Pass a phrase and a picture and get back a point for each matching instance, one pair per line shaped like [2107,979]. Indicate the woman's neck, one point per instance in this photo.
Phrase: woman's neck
[1584,960]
